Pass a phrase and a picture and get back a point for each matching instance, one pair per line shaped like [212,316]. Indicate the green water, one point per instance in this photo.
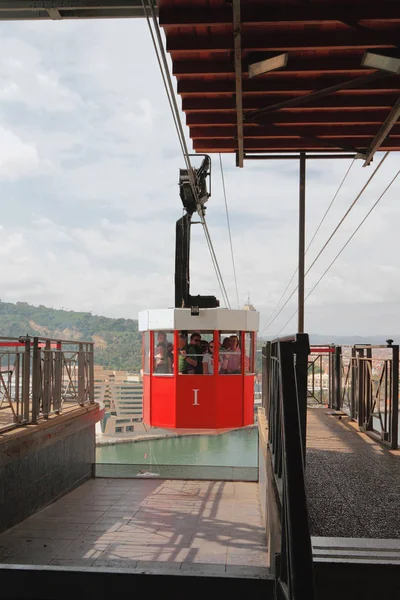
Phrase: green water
[233,449]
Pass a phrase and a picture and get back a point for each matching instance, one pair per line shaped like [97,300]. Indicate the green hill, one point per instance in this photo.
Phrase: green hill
[117,341]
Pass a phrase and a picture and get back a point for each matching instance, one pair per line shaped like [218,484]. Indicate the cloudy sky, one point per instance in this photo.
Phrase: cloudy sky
[89,164]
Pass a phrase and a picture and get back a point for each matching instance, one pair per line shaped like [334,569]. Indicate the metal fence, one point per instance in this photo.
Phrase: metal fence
[285,364]
[42,376]
[319,374]
[367,389]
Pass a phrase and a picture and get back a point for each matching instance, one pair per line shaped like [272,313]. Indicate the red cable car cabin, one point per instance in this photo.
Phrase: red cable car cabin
[182,389]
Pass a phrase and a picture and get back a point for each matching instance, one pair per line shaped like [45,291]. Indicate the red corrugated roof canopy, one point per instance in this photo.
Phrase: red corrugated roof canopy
[291,109]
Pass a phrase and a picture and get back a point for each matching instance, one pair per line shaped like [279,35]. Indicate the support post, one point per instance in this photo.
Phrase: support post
[81,376]
[26,373]
[47,379]
[395,399]
[338,375]
[36,380]
[361,389]
[302,239]
[302,351]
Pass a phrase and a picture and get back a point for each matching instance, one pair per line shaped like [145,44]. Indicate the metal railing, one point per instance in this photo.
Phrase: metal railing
[367,389]
[285,365]
[42,376]
[319,374]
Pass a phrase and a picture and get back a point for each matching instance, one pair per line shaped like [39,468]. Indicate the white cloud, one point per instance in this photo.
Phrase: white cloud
[17,158]
[24,78]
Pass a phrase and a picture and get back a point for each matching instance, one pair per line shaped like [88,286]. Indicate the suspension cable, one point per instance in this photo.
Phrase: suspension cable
[229,229]
[163,65]
[312,239]
[330,238]
[344,246]
[349,210]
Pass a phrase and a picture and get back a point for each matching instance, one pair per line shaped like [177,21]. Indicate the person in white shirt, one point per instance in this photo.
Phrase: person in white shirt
[208,360]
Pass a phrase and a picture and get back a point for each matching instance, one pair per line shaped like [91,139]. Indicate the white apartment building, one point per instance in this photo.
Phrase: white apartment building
[122,396]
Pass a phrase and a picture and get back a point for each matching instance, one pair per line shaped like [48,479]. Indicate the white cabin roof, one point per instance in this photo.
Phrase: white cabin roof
[209,319]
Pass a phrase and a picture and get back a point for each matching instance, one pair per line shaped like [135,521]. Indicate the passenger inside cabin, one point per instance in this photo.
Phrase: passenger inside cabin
[195,354]
[234,356]
[162,337]
[162,362]
[224,355]
[170,355]
[208,360]
[204,346]
[187,356]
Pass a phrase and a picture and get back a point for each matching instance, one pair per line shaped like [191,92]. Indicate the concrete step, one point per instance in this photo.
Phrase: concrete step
[356,550]
[350,568]
[63,583]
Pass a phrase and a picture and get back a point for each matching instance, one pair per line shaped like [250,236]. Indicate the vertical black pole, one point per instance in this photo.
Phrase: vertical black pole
[395,398]
[302,240]
[361,389]
[302,351]
[338,374]
[354,384]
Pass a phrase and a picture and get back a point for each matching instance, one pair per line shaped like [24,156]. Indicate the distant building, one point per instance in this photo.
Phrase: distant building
[122,396]
[248,305]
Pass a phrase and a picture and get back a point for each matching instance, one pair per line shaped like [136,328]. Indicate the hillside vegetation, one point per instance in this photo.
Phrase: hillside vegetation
[117,341]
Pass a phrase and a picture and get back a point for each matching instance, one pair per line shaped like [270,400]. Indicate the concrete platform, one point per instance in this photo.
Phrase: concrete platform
[353,482]
[210,528]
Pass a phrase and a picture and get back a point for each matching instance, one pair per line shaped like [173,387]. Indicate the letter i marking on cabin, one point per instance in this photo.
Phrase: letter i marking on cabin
[195,403]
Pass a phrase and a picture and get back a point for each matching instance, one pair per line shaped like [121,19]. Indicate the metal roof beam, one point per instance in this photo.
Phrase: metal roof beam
[258,15]
[237,35]
[296,156]
[69,9]
[295,130]
[54,14]
[300,144]
[284,42]
[276,85]
[322,118]
[306,99]
[324,64]
[383,132]
[21,5]
[341,102]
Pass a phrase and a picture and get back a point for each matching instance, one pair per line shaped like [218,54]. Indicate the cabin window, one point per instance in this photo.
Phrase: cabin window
[230,353]
[163,358]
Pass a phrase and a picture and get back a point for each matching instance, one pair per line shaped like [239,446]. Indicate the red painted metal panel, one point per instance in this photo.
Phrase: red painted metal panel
[229,399]
[248,400]
[315,350]
[147,399]
[196,402]
[163,401]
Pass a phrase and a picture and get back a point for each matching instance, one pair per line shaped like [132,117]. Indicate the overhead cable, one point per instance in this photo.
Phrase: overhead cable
[349,210]
[229,229]
[330,238]
[312,239]
[343,247]
[163,64]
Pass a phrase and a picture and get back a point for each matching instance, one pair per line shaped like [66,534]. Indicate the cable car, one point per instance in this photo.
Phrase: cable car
[198,358]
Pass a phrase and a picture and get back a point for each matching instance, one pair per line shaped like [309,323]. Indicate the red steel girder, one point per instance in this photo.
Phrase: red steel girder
[296,65]
[335,101]
[288,119]
[222,15]
[273,85]
[307,40]
[271,131]
[260,145]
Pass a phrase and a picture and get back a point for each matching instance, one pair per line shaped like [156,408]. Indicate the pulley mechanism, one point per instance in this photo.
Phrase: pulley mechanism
[194,194]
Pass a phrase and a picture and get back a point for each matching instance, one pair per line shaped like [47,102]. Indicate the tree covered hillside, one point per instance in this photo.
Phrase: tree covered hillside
[117,341]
